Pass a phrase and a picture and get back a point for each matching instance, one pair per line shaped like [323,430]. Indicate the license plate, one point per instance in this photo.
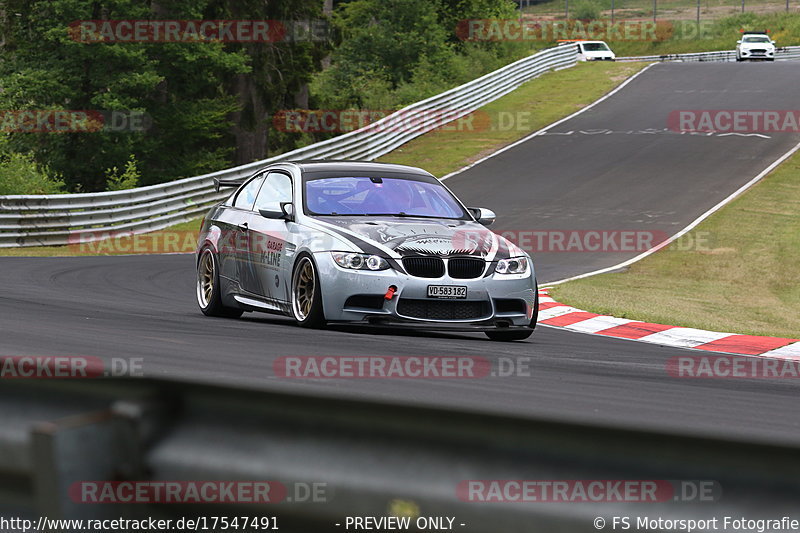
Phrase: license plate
[447,291]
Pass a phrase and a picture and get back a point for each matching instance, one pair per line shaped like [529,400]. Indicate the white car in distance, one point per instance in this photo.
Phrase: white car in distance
[592,50]
[755,45]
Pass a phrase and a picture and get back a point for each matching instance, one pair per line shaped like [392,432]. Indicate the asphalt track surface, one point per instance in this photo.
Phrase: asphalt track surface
[632,178]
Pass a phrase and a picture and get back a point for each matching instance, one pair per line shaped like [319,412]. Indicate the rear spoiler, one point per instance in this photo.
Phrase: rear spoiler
[223,182]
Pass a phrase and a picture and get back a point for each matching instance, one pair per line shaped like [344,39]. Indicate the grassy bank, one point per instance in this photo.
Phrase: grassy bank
[666,9]
[742,278]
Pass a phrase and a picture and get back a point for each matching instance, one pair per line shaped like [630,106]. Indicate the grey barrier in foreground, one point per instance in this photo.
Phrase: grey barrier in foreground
[368,457]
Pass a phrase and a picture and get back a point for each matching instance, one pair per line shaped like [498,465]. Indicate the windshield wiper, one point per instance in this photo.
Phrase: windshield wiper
[406,215]
[397,215]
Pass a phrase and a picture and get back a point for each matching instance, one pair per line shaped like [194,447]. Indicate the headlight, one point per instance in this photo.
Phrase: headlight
[356,261]
[515,265]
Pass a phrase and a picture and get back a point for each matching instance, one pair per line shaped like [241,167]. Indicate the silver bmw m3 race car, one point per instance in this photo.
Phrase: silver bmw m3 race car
[362,243]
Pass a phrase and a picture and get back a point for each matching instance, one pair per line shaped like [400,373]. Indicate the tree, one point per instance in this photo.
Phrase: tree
[280,71]
[205,101]
[394,51]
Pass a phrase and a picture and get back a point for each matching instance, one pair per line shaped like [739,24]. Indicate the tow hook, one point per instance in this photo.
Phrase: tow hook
[390,293]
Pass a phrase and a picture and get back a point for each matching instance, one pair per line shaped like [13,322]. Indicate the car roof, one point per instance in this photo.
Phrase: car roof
[356,166]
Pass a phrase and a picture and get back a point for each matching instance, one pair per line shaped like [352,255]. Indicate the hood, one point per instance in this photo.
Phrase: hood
[419,236]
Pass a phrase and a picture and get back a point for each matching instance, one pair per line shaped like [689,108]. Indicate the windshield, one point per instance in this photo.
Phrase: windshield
[595,47]
[756,39]
[363,196]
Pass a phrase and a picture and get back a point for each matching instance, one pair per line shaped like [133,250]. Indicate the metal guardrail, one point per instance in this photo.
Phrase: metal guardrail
[61,219]
[54,434]
[786,53]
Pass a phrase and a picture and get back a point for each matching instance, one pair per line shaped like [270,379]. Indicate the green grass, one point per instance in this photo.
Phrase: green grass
[745,281]
[665,8]
[535,104]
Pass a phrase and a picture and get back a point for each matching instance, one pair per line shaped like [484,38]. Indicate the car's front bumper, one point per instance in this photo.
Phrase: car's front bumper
[358,296]
[753,54]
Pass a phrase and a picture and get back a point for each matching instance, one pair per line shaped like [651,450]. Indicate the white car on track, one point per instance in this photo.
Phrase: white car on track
[755,45]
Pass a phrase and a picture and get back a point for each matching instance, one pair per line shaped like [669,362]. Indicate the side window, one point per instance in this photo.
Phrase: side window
[247,196]
[276,190]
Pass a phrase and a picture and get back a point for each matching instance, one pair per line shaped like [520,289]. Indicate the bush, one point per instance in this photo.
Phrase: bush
[129,179]
[20,175]
[587,10]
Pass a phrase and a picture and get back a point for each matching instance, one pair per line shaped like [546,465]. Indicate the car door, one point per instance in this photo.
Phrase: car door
[236,248]
[268,239]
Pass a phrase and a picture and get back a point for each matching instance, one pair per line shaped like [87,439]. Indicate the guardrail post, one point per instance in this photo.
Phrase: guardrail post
[98,446]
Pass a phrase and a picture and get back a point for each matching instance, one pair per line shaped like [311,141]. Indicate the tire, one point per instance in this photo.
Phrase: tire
[208,287]
[306,294]
[502,335]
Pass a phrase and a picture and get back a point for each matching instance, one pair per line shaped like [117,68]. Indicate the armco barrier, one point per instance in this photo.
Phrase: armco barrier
[53,219]
[783,54]
[366,454]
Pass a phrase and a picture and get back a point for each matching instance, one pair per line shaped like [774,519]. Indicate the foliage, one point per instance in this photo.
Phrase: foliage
[188,91]
[395,52]
[129,179]
[587,10]
[20,175]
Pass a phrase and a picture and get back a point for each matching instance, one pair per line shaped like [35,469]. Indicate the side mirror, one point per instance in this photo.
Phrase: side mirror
[286,212]
[483,215]
[271,213]
[738,42]
[773,42]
